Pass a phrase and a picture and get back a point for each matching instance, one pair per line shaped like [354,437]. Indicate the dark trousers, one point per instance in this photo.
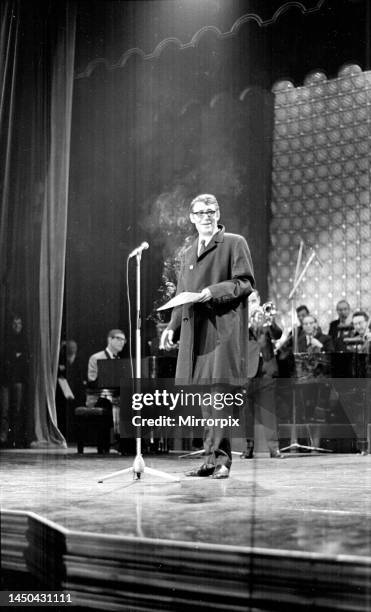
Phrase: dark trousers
[261,407]
[217,446]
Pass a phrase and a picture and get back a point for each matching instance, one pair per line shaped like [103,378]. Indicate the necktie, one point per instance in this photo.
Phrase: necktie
[202,247]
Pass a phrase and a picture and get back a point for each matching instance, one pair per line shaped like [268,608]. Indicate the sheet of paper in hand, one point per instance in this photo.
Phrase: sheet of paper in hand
[186,297]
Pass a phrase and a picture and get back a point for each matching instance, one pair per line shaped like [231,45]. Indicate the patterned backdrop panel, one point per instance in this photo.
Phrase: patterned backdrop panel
[321,193]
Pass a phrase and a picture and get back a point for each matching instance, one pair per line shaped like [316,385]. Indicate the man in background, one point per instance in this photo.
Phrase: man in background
[312,340]
[108,399]
[264,331]
[70,392]
[14,428]
[341,327]
[354,391]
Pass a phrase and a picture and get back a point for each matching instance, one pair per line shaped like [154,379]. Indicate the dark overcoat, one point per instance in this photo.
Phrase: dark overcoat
[213,336]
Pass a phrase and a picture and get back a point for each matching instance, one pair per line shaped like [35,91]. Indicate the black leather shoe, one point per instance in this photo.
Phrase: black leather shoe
[248,454]
[221,471]
[203,471]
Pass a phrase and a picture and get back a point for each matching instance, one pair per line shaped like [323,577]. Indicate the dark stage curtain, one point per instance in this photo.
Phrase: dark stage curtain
[37,76]
[8,62]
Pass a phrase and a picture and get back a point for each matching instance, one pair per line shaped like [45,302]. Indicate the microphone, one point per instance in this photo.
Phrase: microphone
[138,250]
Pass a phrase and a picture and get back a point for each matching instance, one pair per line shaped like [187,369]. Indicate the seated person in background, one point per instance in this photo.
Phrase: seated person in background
[361,327]
[315,395]
[70,395]
[360,340]
[312,340]
[106,398]
[301,313]
[355,398]
[341,327]
[285,345]
[116,341]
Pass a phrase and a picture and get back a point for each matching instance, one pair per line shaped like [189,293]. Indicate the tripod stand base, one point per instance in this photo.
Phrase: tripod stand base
[137,469]
[202,452]
[297,447]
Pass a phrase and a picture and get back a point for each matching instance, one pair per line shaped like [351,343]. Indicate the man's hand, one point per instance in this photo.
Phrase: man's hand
[315,342]
[166,341]
[205,295]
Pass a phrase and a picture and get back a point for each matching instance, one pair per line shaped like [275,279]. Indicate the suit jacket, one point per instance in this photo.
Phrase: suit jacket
[213,346]
[326,341]
[338,334]
[263,338]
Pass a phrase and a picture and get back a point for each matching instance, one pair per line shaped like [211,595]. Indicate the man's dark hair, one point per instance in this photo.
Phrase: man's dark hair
[360,313]
[302,307]
[343,302]
[113,332]
[204,198]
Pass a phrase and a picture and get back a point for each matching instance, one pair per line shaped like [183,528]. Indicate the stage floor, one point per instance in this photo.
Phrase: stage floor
[318,504]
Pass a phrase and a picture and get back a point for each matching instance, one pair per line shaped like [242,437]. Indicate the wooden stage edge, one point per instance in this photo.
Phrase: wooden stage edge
[141,574]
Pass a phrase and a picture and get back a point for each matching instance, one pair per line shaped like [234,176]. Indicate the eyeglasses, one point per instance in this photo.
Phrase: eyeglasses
[119,338]
[201,213]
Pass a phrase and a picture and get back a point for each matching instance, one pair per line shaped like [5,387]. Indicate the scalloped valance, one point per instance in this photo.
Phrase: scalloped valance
[305,8]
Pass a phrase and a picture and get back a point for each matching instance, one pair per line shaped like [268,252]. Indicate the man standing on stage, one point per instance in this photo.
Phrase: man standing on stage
[263,333]
[213,332]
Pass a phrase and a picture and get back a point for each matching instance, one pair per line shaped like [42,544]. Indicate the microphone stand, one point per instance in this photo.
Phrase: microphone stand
[138,467]
[294,443]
